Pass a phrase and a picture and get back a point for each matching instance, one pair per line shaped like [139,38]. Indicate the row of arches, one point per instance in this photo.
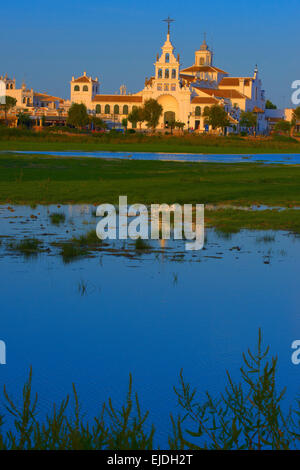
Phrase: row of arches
[168,73]
[9,86]
[113,109]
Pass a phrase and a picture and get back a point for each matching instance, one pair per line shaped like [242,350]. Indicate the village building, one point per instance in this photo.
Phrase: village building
[183,93]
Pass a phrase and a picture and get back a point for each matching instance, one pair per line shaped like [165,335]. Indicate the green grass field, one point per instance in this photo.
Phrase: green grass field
[45,180]
[18,139]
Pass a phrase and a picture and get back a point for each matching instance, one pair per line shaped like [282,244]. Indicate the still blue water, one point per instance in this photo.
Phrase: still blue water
[179,157]
[149,315]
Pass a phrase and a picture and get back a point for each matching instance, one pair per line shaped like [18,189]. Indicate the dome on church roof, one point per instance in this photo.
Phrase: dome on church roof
[204,46]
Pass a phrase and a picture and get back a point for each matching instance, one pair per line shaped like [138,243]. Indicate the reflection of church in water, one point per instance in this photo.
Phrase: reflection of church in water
[183,93]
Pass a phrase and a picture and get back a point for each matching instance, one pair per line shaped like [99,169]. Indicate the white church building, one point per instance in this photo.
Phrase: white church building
[183,93]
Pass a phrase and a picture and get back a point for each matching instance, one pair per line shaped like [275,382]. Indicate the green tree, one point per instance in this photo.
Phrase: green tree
[179,125]
[24,119]
[270,105]
[216,117]
[77,115]
[97,123]
[125,123]
[248,120]
[9,102]
[295,118]
[172,125]
[283,126]
[152,112]
[136,116]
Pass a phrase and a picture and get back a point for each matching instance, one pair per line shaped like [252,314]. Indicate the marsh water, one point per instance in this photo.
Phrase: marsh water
[95,319]
[178,157]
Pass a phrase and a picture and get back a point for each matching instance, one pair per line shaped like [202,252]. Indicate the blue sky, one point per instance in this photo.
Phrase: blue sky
[47,43]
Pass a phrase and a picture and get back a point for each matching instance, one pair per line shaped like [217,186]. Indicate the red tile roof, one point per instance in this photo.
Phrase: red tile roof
[46,97]
[256,109]
[83,79]
[204,100]
[203,68]
[222,93]
[189,78]
[234,81]
[229,81]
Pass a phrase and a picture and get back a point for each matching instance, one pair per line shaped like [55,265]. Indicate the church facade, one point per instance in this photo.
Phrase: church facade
[184,94]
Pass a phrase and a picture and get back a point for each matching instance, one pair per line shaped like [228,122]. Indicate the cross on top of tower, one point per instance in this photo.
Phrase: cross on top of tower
[169,21]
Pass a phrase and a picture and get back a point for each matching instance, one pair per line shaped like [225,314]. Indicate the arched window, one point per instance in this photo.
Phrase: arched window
[167,58]
[98,109]
[85,88]
[76,88]
[160,73]
[167,73]
[7,86]
[107,109]
[116,109]
[125,109]
[198,111]
[11,86]
[201,60]
[174,73]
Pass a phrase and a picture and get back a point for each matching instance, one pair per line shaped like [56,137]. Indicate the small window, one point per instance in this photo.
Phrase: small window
[166,87]
[116,109]
[167,58]
[160,73]
[198,111]
[173,87]
[125,109]
[167,73]
[98,109]
[76,88]
[85,88]
[174,73]
[107,109]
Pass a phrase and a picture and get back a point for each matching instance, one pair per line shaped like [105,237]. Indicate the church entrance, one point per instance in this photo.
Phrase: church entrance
[169,117]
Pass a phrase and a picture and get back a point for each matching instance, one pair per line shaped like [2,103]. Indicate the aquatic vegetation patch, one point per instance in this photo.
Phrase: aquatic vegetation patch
[27,247]
[247,415]
[57,218]
[141,245]
[80,246]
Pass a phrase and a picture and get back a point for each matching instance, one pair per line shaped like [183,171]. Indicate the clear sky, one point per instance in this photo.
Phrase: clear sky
[46,43]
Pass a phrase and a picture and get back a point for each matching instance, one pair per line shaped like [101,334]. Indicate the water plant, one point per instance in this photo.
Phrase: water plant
[141,245]
[57,218]
[247,415]
[69,252]
[82,287]
[27,247]
[79,246]
[267,238]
